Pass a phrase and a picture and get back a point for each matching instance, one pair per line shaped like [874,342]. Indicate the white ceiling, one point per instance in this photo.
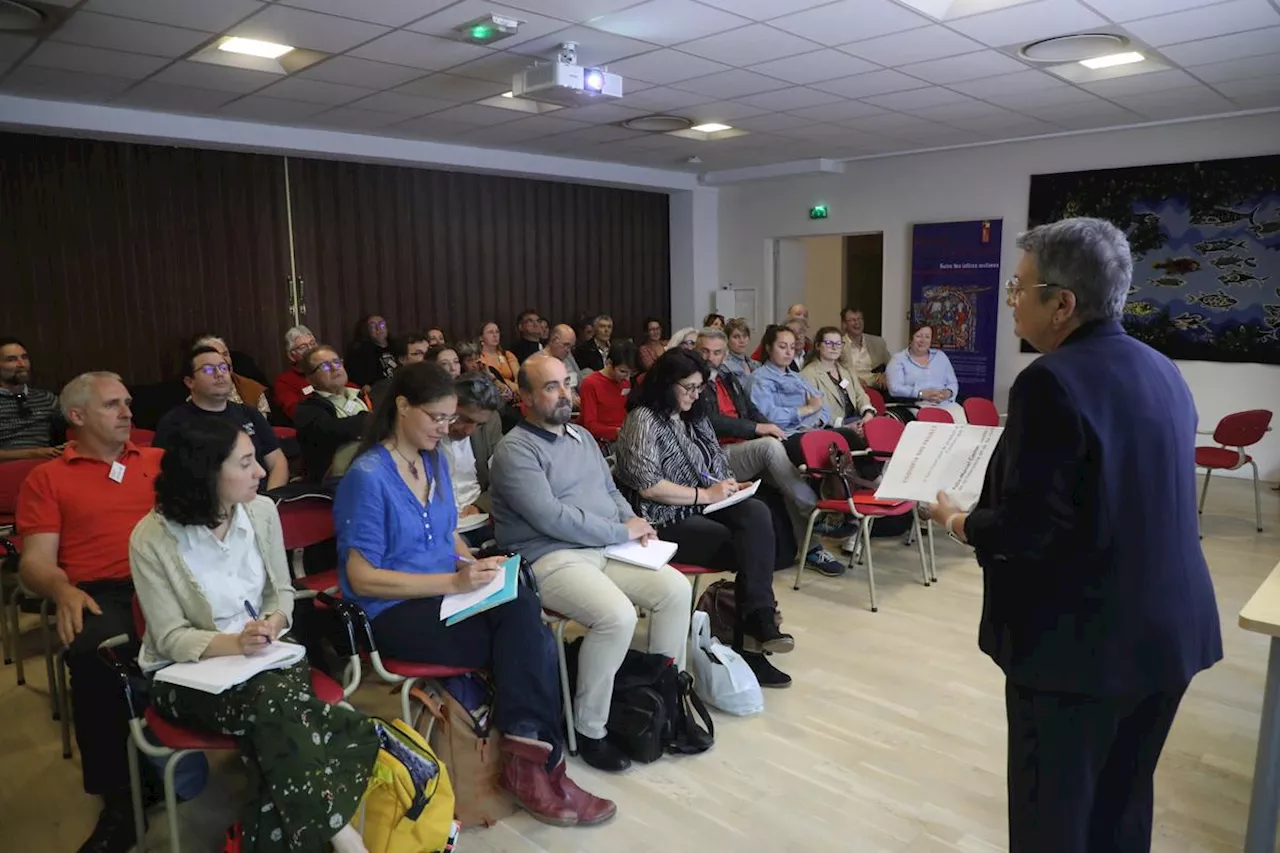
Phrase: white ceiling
[805,78]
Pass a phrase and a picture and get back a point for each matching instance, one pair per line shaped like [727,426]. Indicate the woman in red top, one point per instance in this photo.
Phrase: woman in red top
[604,393]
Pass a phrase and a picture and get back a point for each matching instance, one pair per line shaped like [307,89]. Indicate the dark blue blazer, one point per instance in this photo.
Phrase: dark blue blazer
[1086,530]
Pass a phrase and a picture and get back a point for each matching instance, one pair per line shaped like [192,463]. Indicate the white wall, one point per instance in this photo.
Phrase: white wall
[891,194]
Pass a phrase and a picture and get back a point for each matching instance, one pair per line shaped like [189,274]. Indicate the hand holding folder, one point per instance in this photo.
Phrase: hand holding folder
[502,588]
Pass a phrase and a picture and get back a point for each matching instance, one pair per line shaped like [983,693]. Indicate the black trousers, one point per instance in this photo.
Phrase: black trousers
[1081,767]
[510,640]
[735,539]
[99,713]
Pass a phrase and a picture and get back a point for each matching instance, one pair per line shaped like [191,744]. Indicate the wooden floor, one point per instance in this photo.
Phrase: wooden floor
[892,738]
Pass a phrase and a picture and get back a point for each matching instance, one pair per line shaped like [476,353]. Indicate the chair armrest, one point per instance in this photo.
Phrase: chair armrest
[123,671]
[359,633]
[1204,432]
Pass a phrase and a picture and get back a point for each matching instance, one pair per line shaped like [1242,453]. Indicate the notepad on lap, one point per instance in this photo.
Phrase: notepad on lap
[503,588]
[217,674]
[735,498]
[654,556]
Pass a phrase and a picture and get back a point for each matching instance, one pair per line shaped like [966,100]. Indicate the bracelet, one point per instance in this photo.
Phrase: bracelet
[697,493]
[951,529]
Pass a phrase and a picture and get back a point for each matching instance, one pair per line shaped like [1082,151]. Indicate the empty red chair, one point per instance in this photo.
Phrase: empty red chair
[928,414]
[876,398]
[980,412]
[307,520]
[1234,433]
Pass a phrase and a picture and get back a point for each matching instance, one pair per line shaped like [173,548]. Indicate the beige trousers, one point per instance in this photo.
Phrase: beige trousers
[603,594]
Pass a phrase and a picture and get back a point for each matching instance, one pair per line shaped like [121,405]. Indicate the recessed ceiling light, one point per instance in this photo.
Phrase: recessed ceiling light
[1073,48]
[711,127]
[19,17]
[1112,60]
[657,123]
[253,47]
[508,94]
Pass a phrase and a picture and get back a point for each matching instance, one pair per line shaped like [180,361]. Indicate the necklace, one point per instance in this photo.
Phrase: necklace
[413,463]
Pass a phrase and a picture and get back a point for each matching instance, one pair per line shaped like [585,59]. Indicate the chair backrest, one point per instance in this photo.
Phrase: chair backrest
[981,412]
[876,398]
[929,414]
[11,476]
[306,521]
[284,432]
[815,446]
[1242,428]
[883,434]
[142,437]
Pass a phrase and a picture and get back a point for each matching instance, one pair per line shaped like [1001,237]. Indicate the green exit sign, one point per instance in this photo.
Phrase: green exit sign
[819,212]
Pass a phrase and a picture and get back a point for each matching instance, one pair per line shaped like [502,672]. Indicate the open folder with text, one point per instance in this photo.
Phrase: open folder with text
[933,457]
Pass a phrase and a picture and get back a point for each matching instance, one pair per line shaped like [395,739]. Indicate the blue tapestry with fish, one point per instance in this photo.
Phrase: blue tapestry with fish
[1206,250]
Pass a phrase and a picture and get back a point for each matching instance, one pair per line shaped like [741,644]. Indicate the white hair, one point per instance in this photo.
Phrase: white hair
[1089,257]
[77,393]
[291,336]
[679,335]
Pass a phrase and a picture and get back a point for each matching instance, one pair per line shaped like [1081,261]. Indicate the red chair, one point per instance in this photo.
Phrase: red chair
[862,505]
[12,475]
[931,415]
[142,437]
[980,412]
[1234,433]
[695,573]
[307,520]
[876,398]
[283,432]
[883,435]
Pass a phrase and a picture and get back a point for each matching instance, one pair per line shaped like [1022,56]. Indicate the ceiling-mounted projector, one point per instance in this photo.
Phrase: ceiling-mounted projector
[566,83]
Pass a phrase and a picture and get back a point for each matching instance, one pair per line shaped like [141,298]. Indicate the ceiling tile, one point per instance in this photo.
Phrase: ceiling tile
[352,71]
[1011,124]
[964,8]
[1039,98]
[195,14]
[1172,79]
[794,98]
[220,78]
[605,113]
[917,99]
[896,124]
[420,51]
[572,10]
[390,13]
[405,105]
[662,98]
[723,112]
[771,122]
[501,134]
[665,66]
[93,60]
[764,10]
[270,110]
[130,36]
[594,47]
[968,108]
[594,135]
[178,99]
[826,64]
[350,118]
[1177,103]
[479,115]
[970,66]
[668,21]
[1008,84]
[315,91]
[429,127]
[1239,69]
[300,28]
[731,84]
[916,45]
[874,83]
[1253,94]
[1028,22]
[1132,10]
[1095,108]
[496,68]
[452,87]
[1222,48]
[748,45]
[843,111]
[445,22]
[1234,17]
[13,46]
[817,132]
[850,20]
[549,124]
[61,83]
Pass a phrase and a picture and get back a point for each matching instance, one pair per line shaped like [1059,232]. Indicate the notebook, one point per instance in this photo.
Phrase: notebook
[467,523]
[735,498]
[654,556]
[215,675]
[503,588]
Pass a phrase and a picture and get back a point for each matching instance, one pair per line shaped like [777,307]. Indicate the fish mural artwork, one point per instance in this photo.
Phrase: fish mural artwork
[1205,242]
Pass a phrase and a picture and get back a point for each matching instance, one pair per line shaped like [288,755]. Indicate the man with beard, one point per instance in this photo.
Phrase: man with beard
[29,423]
[555,503]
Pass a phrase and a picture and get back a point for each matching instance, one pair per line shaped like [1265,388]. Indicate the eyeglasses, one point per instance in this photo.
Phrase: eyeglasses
[833,344]
[1013,288]
[693,389]
[215,370]
[441,420]
[302,346]
[328,366]
[378,326]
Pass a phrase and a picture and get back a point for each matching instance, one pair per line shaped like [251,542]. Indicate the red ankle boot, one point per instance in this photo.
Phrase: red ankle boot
[590,809]
[524,776]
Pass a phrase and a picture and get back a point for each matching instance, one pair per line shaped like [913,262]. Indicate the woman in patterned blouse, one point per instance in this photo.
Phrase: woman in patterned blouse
[670,466]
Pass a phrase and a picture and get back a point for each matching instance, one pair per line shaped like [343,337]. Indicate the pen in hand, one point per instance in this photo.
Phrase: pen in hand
[253,614]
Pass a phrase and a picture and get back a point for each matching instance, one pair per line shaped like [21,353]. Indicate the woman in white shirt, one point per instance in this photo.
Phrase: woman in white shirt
[210,573]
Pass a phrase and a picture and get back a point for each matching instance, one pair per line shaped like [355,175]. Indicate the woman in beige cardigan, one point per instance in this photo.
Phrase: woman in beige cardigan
[209,569]
[846,401]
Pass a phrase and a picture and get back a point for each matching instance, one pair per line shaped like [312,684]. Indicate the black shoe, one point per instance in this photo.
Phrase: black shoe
[766,673]
[601,754]
[760,633]
[114,832]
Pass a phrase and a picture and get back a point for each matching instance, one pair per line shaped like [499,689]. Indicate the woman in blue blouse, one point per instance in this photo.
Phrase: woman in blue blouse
[922,374]
[399,554]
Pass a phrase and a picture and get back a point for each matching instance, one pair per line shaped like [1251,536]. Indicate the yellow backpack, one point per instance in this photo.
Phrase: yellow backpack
[408,804]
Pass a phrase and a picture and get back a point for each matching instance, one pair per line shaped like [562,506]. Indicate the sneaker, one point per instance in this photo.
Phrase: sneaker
[824,562]
[766,673]
[835,525]
[760,633]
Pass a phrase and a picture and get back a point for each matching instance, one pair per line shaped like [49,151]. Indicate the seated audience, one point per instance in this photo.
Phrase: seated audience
[213,580]
[398,555]
[554,501]
[471,440]
[686,338]
[208,379]
[593,350]
[29,424]
[604,393]
[500,362]
[447,357]
[531,337]
[713,321]
[585,328]
[560,345]
[332,418]
[469,356]
[293,384]
[654,343]
[369,355]
[244,390]
[738,361]
[671,466]
[864,356]
[797,320]
[436,337]
[544,330]
[409,348]
[753,445]
[922,374]
[75,514]
[847,401]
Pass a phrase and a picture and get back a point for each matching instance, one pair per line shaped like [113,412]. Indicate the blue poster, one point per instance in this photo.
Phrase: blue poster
[955,289]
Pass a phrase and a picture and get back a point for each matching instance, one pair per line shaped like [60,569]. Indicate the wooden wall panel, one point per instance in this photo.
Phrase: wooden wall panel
[114,254]
[450,249]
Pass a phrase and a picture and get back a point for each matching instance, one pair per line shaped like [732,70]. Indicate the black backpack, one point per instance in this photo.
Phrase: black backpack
[654,709]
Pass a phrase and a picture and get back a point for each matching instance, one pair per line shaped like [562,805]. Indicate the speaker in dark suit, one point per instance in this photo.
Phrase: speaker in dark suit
[1098,602]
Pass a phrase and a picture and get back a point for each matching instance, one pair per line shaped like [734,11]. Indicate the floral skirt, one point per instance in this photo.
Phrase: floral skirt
[309,762]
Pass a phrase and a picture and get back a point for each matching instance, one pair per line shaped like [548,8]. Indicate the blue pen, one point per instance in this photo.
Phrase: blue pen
[462,558]
[253,614]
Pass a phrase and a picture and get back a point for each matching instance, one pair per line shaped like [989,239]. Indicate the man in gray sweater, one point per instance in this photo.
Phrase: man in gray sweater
[555,503]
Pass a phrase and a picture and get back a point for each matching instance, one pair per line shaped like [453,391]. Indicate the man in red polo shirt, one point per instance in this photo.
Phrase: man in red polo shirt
[291,386]
[76,514]
[604,393]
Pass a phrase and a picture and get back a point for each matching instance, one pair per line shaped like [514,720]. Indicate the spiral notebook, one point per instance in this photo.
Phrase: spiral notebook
[218,674]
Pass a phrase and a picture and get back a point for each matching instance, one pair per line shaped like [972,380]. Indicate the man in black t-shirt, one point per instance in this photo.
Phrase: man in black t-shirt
[530,326]
[208,378]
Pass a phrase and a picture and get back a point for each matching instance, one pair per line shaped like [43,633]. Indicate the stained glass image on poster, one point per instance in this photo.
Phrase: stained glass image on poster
[1205,239]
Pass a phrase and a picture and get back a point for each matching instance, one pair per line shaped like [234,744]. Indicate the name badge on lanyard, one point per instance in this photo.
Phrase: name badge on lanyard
[117,472]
